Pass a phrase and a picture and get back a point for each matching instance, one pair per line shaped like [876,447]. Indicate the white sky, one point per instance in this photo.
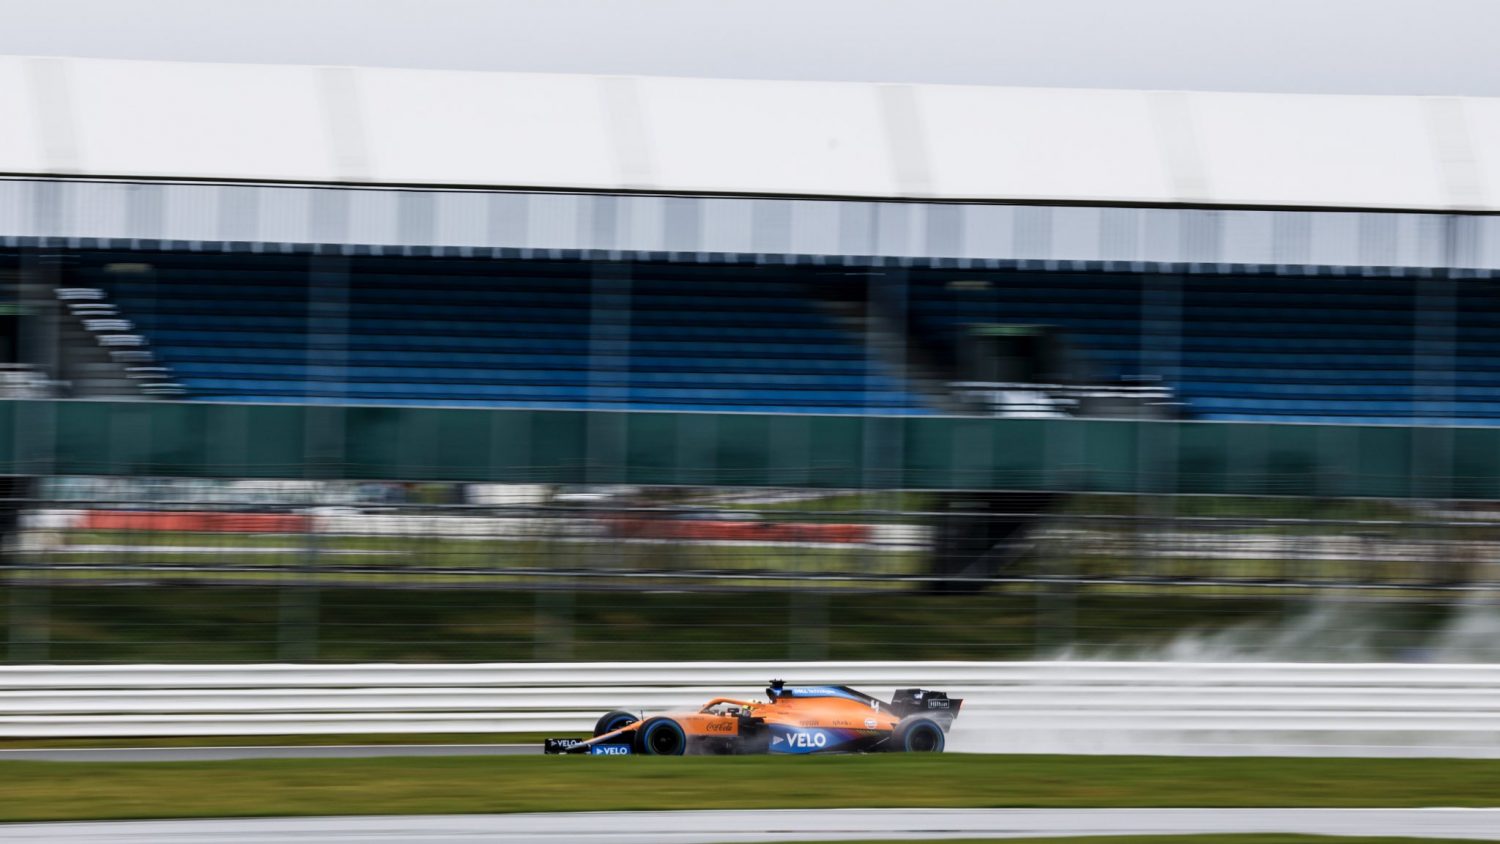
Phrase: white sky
[1319,46]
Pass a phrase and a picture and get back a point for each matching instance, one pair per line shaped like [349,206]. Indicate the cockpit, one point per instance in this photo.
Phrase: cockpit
[727,708]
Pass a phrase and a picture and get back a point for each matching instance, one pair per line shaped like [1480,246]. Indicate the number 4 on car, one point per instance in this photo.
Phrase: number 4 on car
[792,719]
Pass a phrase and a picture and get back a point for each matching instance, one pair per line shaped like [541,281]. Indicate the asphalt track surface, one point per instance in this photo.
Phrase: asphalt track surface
[217,754]
[737,827]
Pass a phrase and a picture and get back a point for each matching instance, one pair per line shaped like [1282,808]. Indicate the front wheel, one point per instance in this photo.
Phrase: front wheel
[916,734]
[613,721]
[661,737]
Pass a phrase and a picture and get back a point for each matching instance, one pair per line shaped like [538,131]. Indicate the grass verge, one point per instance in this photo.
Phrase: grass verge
[177,623]
[1255,838]
[428,785]
[476,557]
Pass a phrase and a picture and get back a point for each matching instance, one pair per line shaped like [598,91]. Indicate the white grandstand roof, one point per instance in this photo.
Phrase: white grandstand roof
[258,123]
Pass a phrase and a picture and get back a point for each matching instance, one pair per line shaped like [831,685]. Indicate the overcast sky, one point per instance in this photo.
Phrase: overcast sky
[1321,46]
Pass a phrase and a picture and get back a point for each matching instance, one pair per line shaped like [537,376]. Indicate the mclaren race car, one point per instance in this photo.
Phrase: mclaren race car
[794,719]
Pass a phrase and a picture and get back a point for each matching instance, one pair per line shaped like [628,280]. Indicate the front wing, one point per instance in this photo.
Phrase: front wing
[575,745]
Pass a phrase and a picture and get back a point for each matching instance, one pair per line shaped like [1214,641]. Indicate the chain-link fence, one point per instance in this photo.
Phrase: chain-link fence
[161,569]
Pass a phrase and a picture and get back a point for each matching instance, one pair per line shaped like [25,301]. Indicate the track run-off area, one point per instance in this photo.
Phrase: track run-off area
[1042,749]
[724,827]
[1060,707]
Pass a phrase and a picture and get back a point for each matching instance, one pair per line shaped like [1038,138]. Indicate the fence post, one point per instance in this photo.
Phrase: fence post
[554,625]
[807,625]
[28,623]
[297,632]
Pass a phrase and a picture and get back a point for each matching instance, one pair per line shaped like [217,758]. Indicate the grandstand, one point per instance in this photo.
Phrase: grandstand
[1334,345]
[513,333]
[1250,343]
[614,333]
[610,244]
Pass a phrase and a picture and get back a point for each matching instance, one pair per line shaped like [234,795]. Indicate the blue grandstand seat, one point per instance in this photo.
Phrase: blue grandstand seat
[1249,347]
[450,331]
[467,332]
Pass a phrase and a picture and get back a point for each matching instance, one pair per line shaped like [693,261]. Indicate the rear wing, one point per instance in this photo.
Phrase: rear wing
[935,705]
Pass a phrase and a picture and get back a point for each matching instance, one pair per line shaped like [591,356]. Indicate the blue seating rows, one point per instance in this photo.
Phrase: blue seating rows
[271,327]
[1253,347]
[523,334]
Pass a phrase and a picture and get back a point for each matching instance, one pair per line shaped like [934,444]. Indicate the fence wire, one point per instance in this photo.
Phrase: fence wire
[163,569]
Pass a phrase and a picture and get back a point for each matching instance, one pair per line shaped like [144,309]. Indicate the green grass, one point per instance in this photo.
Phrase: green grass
[177,623]
[429,785]
[1254,838]
[1110,549]
[474,557]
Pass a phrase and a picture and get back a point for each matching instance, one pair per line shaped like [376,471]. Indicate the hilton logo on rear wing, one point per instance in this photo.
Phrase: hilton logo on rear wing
[914,701]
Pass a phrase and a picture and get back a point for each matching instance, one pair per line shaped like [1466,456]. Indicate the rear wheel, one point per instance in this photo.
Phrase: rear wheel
[661,737]
[918,735]
[613,721]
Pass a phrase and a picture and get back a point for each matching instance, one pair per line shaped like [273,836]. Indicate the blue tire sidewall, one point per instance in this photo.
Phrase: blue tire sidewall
[939,742]
[618,723]
[664,724]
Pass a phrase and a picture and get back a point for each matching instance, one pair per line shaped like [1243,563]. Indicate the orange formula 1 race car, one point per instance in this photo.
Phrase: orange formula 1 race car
[795,719]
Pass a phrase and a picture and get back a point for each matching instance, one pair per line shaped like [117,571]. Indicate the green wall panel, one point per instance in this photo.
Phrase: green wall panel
[836,452]
[1475,462]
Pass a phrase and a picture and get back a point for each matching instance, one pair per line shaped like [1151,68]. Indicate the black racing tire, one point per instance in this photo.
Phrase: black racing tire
[661,737]
[613,721]
[917,734]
